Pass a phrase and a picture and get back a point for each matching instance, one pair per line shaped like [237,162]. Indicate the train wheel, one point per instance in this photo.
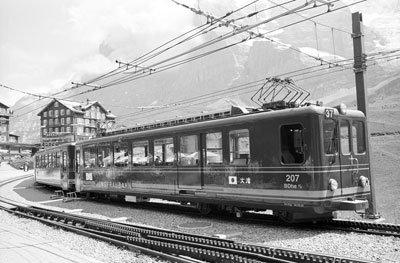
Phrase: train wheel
[204,209]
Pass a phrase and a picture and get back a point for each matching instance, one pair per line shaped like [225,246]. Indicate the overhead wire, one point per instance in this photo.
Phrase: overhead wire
[185,60]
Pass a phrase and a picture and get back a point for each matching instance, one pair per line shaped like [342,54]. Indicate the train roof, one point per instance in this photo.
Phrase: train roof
[235,115]
[56,147]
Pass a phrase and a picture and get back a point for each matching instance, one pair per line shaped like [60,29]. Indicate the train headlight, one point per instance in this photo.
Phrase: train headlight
[363,181]
[333,184]
[342,108]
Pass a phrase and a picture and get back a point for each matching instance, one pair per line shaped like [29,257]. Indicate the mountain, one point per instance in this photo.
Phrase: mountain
[183,87]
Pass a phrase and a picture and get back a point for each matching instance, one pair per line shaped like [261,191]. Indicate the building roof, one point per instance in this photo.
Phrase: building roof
[2,105]
[78,107]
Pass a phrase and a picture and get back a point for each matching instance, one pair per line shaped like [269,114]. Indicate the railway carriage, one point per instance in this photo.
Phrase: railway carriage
[54,166]
[301,162]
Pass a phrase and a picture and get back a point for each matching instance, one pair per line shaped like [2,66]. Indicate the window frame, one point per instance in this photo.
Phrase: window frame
[235,157]
[184,160]
[288,154]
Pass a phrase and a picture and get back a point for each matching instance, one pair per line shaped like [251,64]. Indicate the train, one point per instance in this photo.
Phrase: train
[304,163]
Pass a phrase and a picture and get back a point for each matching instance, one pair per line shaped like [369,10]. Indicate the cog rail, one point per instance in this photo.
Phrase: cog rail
[372,228]
[170,245]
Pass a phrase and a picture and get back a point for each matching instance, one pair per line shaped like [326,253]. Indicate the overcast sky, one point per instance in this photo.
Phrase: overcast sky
[47,43]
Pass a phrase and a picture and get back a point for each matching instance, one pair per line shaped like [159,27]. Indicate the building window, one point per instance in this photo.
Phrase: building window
[45,114]
[50,121]
[51,130]
[68,129]
[44,131]
[50,113]
[44,122]
[55,113]
[56,121]
[62,112]
[56,130]
[62,121]
[68,112]
[56,104]
[68,120]
[62,129]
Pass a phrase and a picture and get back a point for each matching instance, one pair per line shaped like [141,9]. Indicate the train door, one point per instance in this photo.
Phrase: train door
[189,162]
[64,169]
[353,157]
[77,169]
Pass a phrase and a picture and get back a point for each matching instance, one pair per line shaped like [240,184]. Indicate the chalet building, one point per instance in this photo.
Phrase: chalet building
[5,114]
[13,138]
[65,121]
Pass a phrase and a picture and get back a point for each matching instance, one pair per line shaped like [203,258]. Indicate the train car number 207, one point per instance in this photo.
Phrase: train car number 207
[291,182]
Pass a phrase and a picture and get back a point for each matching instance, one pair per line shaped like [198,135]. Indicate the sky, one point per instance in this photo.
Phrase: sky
[46,44]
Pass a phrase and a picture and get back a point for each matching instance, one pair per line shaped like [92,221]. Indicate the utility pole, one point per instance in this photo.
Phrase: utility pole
[362,97]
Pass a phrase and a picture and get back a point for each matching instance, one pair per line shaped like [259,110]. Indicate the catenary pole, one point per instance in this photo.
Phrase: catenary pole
[362,97]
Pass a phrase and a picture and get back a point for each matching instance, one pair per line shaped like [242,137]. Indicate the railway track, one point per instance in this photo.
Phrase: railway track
[371,228]
[169,245]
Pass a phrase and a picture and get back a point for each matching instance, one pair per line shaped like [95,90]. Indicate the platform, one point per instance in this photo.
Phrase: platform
[18,246]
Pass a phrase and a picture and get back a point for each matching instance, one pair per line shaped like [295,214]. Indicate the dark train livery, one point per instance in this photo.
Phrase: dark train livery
[301,162]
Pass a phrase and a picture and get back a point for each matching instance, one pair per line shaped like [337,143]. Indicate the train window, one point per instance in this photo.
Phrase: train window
[140,153]
[214,148]
[239,147]
[64,161]
[121,154]
[345,136]
[51,161]
[292,144]
[330,134]
[58,157]
[164,152]
[189,150]
[77,160]
[104,155]
[89,156]
[358,137]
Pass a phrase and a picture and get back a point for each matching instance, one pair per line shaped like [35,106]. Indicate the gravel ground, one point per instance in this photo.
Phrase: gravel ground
[351,245]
